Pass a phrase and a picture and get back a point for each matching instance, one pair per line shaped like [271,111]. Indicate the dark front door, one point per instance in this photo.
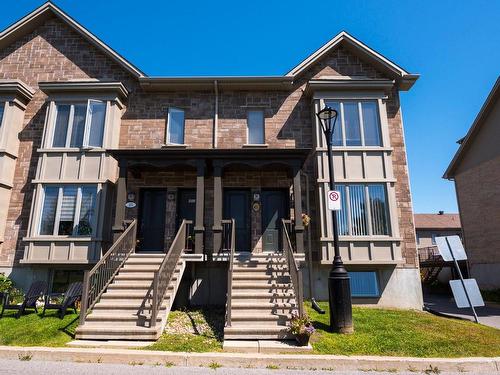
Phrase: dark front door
[237,207]
[152,219]
[186,209]
[274,209]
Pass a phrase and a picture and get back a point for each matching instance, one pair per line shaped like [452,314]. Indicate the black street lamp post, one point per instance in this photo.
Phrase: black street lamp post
[339,289]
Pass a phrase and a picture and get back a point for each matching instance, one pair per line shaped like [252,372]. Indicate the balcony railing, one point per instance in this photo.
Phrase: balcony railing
[227,240]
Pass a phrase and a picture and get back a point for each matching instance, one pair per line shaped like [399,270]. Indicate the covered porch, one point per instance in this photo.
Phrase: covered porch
[255,187]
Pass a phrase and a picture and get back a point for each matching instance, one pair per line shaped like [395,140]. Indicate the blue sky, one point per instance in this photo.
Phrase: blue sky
[453,45]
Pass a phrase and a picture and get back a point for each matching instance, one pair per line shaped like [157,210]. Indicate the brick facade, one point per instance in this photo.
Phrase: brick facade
[53,52]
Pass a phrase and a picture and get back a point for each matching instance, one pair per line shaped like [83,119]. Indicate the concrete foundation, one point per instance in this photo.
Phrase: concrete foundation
[399,287]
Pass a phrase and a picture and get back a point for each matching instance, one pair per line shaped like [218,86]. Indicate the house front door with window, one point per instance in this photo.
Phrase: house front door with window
[274,209]
[237,207]
[152,220]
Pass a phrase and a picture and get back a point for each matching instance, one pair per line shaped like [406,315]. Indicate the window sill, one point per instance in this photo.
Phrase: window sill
[255,145]
[357,148]
[71,149]
[363,239]
[174,145]
[61,239]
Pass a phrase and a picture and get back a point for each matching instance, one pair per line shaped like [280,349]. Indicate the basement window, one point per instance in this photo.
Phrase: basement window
[79,125]
[364,284]
[68,210]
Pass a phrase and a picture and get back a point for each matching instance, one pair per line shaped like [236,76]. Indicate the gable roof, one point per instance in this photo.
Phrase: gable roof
[34,19]
[437,221]
[405,78]
[467,141]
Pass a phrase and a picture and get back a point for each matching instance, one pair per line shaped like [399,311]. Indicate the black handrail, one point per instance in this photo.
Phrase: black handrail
[102,274]
[163,275]
[293,268]
[232,247]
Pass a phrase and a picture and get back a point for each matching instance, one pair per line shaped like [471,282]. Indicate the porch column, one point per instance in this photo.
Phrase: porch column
[121,199]
[199,228]
[297,199]
[217,226]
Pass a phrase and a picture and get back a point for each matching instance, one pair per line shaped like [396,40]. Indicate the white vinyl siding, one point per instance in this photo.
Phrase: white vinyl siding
[255,127]
[68,210]
[79,124]
[175,126]
[358,123]
[364,210]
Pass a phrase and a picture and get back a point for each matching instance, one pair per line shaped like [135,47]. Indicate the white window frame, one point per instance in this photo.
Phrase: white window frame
[167,135]
[369,228]
[263,126]
[88,119]
[76,216]
[341,121]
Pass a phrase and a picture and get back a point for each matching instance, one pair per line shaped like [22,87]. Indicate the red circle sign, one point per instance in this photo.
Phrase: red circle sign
[333,196]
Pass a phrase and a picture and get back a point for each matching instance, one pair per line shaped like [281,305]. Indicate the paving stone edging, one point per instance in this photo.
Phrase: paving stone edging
[251,360]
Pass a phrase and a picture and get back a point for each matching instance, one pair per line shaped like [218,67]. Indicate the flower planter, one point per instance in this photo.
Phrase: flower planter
[302,339]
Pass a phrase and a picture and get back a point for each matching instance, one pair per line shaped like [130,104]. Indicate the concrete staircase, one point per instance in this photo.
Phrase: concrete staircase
[262,298]
[124,310]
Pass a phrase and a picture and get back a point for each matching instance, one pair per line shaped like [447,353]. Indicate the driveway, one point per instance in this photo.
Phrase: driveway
[488,315]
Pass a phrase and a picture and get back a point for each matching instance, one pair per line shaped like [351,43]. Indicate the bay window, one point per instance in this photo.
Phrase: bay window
[358,123]
[79,124]
[364,210]
[175,126]
[68,210]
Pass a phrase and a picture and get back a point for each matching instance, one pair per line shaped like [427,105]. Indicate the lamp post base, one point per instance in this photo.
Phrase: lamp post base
[339,291]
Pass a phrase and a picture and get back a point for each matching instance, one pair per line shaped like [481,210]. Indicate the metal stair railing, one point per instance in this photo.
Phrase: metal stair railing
[102,274]
[293,268]
[163,276]
[231,247]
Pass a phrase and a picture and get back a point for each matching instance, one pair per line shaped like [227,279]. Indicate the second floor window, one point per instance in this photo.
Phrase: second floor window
[361,123]
[255,127]
[79,124]
[175,126]
[364,210]
[68,210]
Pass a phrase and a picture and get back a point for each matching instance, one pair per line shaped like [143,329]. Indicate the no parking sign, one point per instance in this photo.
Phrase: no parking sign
[333,198]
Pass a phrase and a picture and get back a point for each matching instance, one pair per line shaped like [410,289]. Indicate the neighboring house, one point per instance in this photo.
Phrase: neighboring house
[430,226]
[91,145]
[475,169]
[427,228]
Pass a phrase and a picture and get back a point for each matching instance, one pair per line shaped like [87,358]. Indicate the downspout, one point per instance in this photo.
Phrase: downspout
[314,304]
[216,114]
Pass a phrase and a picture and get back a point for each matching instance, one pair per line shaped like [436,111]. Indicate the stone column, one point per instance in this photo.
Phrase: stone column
[297,195]
[199,228]
[121,199]
[217,226]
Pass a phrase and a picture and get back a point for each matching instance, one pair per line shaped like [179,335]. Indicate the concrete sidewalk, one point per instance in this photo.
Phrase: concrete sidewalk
[488,315]
[252,360]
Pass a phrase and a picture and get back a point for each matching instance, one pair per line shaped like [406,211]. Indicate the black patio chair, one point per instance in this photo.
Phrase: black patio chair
[37,289]
[72,295]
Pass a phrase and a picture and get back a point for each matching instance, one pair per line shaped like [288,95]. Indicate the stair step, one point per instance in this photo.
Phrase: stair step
[121,317]
[261,285]
[261,276]
[140,276]
[125,295]
[123,332]
[273,295]
[257,332]
[126,305]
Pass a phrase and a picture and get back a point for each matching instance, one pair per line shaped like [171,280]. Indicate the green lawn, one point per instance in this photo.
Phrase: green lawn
[405,333]
[33,330]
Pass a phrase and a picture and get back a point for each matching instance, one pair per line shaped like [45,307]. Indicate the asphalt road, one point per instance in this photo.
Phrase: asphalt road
[488,315]
[52,368]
